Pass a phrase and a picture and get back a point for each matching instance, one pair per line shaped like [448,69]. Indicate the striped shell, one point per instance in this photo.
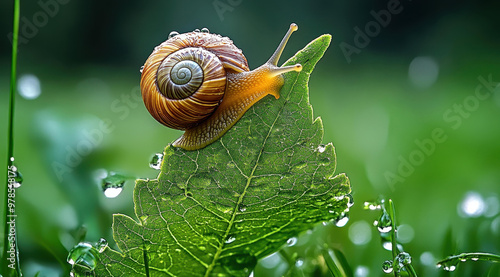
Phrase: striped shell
[184,79]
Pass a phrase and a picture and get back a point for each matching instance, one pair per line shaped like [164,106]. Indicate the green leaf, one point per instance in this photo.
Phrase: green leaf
[216,211]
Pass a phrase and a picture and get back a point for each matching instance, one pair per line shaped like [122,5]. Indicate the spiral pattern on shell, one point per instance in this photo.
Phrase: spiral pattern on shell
[184,79]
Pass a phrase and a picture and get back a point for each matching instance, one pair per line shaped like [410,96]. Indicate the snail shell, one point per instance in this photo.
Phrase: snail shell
[201,83]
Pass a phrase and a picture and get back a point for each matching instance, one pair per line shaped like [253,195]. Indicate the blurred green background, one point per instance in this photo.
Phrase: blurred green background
[380,94]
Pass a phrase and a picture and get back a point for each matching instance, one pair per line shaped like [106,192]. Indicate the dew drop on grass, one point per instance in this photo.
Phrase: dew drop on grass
[16,177]
[384,223]
[156,160]
[299,262]
[449,265]
[372,206]
[387,266]
[402,259]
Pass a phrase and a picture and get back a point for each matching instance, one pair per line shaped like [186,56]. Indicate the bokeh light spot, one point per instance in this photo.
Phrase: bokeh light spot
[427,258]
[405,233]
[423,71]
[29,86]
[360,232]
[472,205]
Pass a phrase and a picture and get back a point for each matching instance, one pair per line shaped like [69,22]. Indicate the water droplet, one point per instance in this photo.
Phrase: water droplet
[142,68]
[387,245]
[101,245]
[449,265]
[342,220]
[15,178]
[112,185]
[372,206]
[339,197]
[383,224]
[82,257]
[474,259]
[321,148]
[205,30]
[156,160]
[196,30]
[387,266]
[230,239]
[172,34]
[291,241]
[242,208]
[350,203]
[299,262]
[402,259]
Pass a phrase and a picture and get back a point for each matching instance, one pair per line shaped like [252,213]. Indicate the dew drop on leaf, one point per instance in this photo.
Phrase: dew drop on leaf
[112,185]
[321,148]
[299,262]
[351,200]
[230,239]
[101,245]
[156,160]
[82,258]
[341,220]
[291,241]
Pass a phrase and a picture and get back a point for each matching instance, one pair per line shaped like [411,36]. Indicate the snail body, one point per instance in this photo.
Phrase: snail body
[201,83]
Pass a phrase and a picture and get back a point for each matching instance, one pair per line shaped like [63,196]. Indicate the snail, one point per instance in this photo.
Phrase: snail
[201,83]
